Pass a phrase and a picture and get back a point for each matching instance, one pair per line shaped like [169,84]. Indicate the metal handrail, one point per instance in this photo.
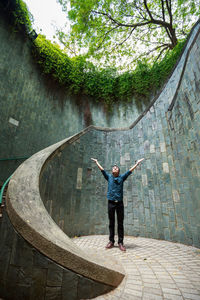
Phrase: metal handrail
[6,182]
[3,188]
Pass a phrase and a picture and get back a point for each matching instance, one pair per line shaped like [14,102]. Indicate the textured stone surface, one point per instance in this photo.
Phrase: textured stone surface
[45,112]
[30,218]
[25,273]
[154,269]
[162,196]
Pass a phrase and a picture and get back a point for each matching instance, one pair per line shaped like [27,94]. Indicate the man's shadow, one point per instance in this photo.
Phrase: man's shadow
[128,246]
[131,246]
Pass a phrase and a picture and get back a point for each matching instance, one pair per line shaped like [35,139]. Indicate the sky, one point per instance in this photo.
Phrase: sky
[47,15]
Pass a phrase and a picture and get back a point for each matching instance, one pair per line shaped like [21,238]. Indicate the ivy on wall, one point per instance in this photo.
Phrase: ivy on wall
[84,78]
[17,14]
[22,15]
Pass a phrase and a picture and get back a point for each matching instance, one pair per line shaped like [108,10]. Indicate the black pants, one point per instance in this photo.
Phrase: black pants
[119,208]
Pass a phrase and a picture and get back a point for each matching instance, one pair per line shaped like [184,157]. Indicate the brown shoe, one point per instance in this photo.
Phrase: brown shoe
[109,245]
[121,247]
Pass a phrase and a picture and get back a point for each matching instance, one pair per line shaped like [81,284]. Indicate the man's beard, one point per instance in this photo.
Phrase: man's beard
[115,174]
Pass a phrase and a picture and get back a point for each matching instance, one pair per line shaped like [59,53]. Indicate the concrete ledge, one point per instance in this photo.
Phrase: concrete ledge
[30,218]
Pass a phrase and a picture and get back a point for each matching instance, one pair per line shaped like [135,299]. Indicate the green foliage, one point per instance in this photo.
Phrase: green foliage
[52,59]
[82,77]
[22,15]
[18,14]
[127,30]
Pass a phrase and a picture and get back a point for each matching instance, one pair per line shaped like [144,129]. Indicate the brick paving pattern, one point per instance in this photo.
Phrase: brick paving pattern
[154,269]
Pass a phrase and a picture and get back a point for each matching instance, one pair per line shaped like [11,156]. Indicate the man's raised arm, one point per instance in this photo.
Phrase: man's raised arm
[137,163]
[97,163]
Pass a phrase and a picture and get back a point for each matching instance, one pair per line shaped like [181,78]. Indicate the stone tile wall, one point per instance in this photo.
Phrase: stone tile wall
[162,198]
[25,273]
[43,112]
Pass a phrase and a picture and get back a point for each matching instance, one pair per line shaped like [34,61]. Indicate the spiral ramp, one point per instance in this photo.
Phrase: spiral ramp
[38,257]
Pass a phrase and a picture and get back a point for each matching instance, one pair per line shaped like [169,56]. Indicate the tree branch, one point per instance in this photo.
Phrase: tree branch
[163,10]
[73,51]
[168,33]
[152,21]
[119,23]
[147,9]
[146,41]
[127,37]
[169,10]
[156,48]
[165,48]
[152,50]
[105,35]
[141,11]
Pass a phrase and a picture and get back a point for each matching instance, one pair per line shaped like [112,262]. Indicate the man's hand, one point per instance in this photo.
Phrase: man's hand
[139,161]
[94,159]
[97,163]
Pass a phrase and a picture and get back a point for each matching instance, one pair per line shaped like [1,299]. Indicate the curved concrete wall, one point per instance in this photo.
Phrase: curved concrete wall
[56,252]
[25,273]
[162,199]
[44,112]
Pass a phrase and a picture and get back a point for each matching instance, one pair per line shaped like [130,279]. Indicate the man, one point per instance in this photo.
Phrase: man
[115,201]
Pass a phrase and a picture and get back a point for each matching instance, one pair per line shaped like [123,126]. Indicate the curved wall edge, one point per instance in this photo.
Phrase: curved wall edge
[32,221]
[26,273]
[162,199]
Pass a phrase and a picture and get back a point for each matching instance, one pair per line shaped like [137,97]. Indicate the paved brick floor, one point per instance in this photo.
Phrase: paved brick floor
[154,269]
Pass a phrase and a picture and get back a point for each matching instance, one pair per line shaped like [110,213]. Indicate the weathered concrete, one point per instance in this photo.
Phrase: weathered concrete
[38,105]
[162,202]
[26,273]
[162,197]
[31,220]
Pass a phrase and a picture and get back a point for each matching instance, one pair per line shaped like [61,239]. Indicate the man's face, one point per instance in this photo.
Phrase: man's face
[115,171]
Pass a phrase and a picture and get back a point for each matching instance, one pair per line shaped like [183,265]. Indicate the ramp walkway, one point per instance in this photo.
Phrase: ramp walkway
[155,270]
[38,258]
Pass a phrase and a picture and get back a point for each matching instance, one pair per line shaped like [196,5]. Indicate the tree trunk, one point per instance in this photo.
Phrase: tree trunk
[173,37]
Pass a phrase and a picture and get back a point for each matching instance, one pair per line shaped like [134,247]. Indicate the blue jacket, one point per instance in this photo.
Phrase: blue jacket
[115,185]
